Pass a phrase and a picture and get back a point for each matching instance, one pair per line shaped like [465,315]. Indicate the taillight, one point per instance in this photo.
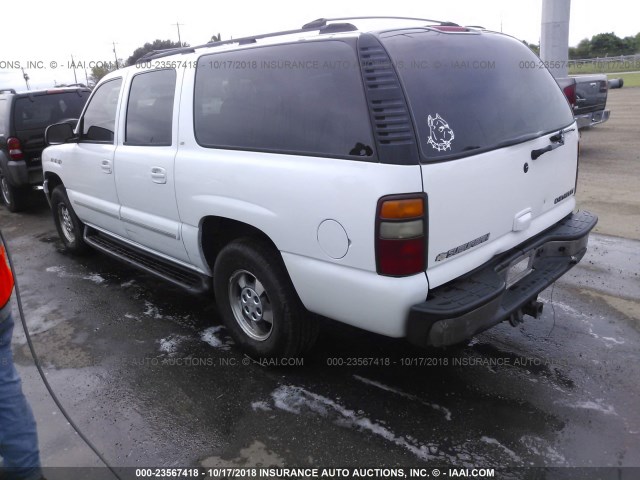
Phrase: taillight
[15,149]
[401,234]
[570,93]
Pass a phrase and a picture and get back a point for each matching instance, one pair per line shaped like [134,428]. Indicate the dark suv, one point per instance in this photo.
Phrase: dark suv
[23,120]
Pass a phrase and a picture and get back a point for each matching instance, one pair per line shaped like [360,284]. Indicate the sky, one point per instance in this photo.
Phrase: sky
[43,38]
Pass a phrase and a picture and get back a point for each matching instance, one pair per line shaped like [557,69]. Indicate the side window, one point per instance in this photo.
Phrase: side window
[3,113]
[99,121]
[150,108]
[303,98]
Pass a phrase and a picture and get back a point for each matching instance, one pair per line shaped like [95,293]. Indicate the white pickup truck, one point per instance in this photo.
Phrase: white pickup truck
[395,179]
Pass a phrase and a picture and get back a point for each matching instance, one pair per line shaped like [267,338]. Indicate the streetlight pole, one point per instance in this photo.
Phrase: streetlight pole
[554,44]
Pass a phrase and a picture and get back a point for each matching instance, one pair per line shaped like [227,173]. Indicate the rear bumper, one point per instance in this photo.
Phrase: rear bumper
[471,304]
[20,174]
[592,118]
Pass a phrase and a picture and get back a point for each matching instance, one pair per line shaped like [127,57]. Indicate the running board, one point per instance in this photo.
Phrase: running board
[190,280]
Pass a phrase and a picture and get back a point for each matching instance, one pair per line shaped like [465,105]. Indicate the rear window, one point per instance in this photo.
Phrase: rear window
[40,111]
[303,98]
[473,92]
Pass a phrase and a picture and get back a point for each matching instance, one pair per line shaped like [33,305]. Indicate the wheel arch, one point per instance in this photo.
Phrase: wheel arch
[53,180]
[217,232]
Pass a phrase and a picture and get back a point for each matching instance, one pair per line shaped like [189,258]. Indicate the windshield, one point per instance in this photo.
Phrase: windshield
[473,92]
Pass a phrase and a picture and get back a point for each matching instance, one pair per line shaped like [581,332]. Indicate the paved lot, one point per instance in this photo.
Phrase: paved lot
[609,182]
[150,376]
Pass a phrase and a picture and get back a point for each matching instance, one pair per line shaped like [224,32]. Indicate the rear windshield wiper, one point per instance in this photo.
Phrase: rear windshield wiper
[556,140]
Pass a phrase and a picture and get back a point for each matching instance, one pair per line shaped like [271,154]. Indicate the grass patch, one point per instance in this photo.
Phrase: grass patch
[630,79]
[612,66]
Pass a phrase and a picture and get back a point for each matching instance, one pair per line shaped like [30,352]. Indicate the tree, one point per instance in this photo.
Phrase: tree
[215,38]
[629,46]
[101,69]
[150,47]
[583,50]
[534,48]
[606,45]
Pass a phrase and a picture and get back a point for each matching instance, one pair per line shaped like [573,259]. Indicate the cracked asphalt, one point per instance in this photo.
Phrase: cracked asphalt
[149,375]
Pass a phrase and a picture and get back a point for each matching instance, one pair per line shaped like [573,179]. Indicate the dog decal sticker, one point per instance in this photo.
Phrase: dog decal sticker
[440,133]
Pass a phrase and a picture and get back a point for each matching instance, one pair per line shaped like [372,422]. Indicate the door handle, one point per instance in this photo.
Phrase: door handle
[158,175]
[105,165]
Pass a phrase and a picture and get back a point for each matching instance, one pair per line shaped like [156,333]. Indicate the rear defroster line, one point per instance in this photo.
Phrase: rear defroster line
[41,372]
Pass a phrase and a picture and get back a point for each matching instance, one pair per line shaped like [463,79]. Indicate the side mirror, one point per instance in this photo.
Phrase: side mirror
[58,133]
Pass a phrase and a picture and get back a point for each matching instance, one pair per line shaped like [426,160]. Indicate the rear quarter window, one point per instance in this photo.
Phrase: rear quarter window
[303,98]
[474,92]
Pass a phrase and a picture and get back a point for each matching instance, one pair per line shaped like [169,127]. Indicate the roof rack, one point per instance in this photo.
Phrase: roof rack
[7,90]
[320,24]
[164,53]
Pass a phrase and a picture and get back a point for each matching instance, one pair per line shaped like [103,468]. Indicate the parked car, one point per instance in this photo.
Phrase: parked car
[23,120]
[390,179]
[591,100]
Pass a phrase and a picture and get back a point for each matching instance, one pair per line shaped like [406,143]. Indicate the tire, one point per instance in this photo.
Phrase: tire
[258,302]
[15,198]
[70,228]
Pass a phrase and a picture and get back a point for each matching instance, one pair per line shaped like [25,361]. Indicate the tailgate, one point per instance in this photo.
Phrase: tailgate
[591,93]
[33,113]
[484,205]
[481,105]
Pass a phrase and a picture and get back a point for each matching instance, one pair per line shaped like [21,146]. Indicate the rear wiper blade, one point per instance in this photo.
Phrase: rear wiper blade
[557,140]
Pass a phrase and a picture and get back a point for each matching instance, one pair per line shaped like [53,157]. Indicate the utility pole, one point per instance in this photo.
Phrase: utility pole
[115,55]
[178,27]
[75,77]
[554,44]
[26,79]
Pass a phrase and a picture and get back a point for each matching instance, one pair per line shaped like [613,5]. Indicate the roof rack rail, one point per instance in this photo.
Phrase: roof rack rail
[7,90]
[241,41]
[164,53]
[320,24]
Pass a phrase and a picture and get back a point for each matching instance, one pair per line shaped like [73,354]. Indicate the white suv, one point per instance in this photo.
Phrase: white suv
[416,181]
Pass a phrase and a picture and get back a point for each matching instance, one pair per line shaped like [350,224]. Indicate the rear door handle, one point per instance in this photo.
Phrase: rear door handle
[105,165]
[158,175]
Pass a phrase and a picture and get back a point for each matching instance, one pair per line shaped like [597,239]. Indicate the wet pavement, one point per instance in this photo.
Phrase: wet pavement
[150,376]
